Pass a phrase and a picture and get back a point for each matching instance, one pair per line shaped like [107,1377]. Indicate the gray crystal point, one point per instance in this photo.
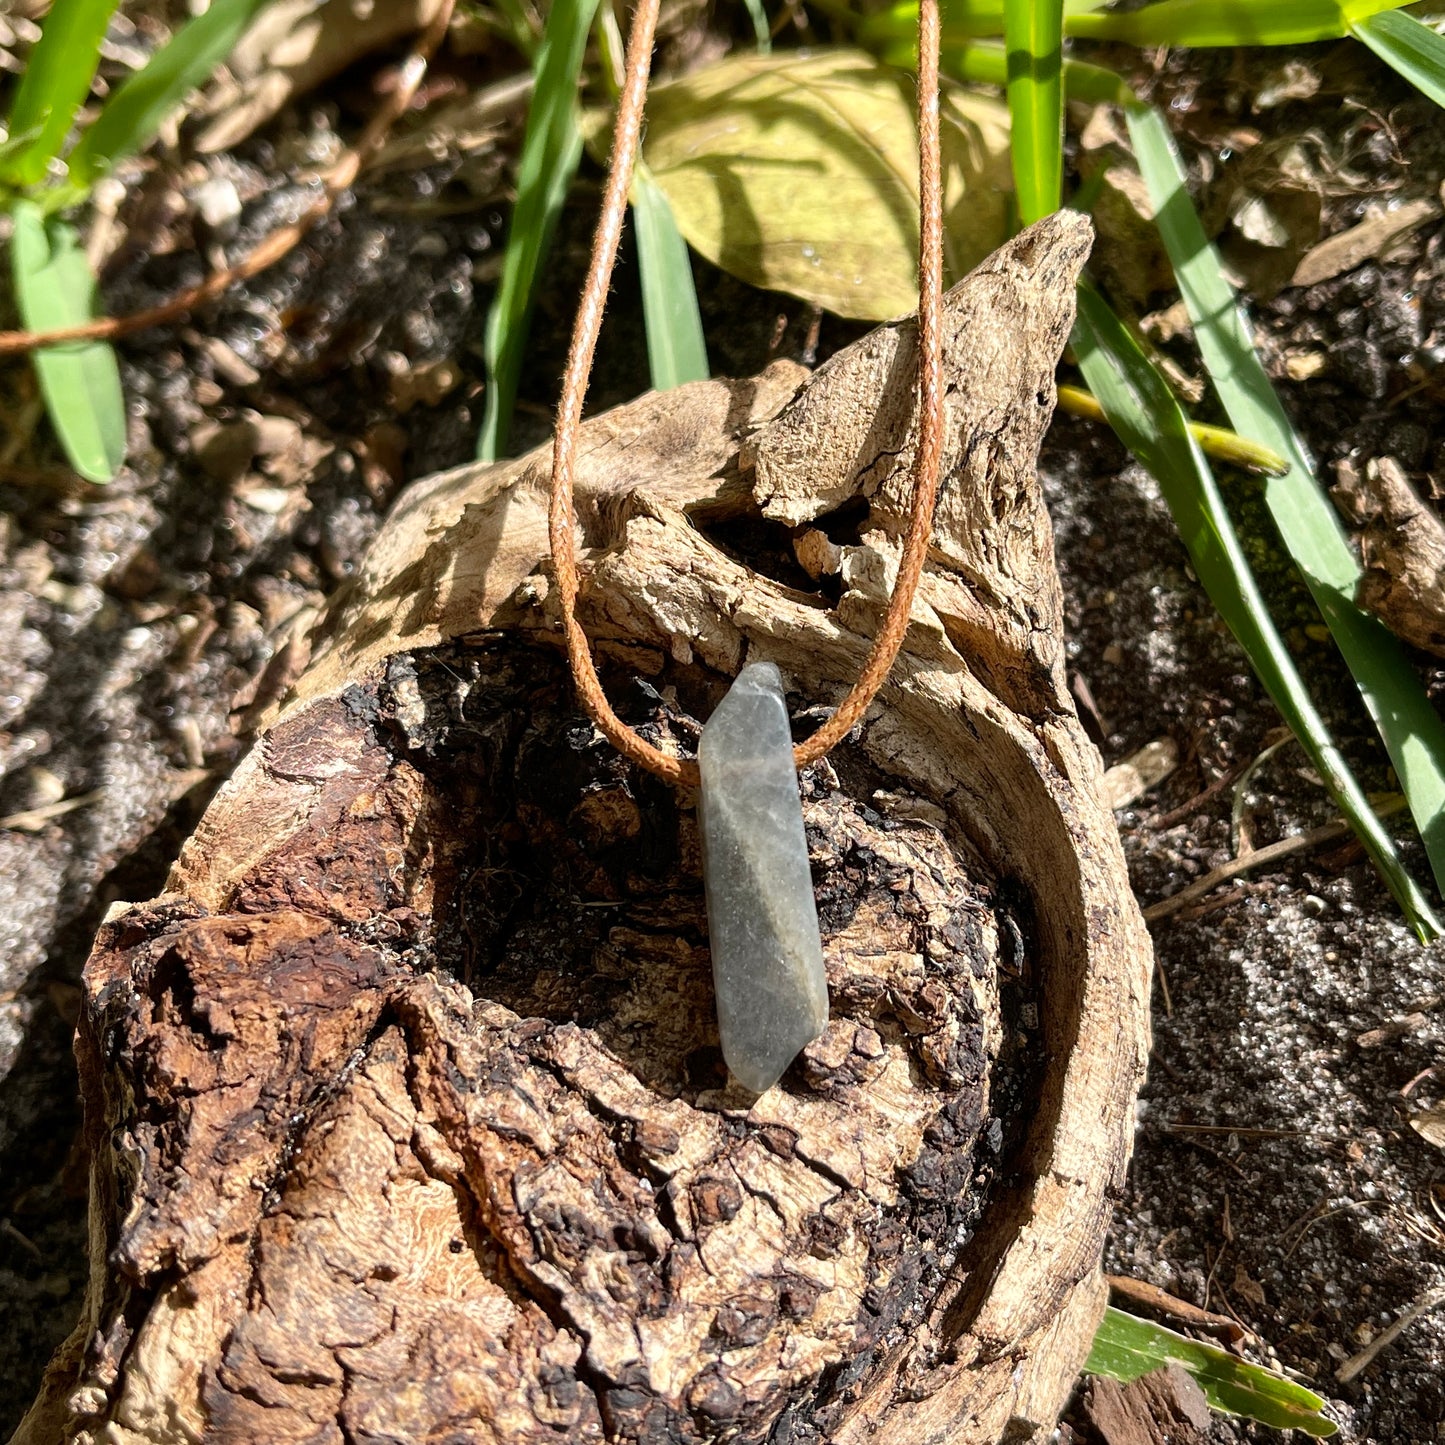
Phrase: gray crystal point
[767,960]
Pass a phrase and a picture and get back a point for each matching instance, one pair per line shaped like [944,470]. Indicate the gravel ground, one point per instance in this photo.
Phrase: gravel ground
[1276,1176]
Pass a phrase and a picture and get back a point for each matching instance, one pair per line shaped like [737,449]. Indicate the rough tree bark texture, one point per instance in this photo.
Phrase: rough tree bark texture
[404,1106]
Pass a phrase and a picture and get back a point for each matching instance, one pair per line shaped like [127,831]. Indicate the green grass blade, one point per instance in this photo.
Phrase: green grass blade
[1409,726]
[1144,412]
[57,79]
[1126,1347]
[551,150]
[1034,39]
[1408,46]
[676,351]
[962,19]
[79,381]
[135,111]
[13,145]
[1227,22]
[762,35]
[986,63]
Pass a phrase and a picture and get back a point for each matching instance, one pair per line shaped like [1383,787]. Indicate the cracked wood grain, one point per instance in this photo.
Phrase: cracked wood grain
[405,1112]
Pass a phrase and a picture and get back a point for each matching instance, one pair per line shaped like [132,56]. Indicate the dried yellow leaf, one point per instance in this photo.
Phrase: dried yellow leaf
[799,173]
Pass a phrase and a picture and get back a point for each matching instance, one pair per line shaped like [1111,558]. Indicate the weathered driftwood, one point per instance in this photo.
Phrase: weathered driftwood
[405,1115]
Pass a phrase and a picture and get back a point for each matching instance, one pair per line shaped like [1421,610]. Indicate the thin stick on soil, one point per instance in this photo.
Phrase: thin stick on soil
[1193,805]
[1270,853]
[1387,1337]
[1150,1296]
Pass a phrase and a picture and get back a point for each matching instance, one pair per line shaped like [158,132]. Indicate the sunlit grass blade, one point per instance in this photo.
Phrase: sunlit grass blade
[1409,726]
[1214,441]
[551,150]
[1408,46]
[57,79]
[1227,22]
[1144,412]
[13,145]
[1034,40]
[134,112]
[962,19]
[79,381]
[676,351]
[1168,22]
[1126,1347]
[986,63]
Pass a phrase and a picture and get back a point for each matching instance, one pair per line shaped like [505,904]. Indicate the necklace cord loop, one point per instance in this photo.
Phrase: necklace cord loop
[562,519]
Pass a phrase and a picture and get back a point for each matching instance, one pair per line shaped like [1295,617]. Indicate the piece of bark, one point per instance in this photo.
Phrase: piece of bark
[1402,547]
[404,1105]
[1164,1407]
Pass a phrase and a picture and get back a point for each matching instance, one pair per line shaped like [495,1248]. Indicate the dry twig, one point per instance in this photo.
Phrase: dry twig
[279,243]
[1150,1296]
[1356,1364]
[1271,853]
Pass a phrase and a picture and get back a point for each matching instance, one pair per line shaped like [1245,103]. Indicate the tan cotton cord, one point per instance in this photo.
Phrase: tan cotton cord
[562,516]
[279,243]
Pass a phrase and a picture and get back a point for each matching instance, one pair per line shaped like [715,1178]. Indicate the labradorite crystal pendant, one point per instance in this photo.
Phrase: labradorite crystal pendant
[767,958]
